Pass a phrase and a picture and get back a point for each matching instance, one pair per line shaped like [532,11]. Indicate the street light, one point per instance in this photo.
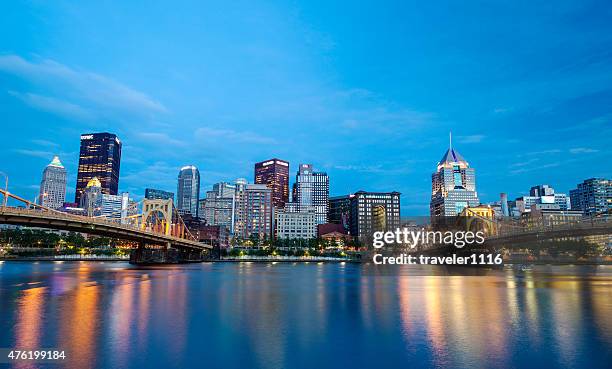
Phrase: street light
[5,189]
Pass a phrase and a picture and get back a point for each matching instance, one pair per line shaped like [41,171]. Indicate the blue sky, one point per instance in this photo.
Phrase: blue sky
[366,92]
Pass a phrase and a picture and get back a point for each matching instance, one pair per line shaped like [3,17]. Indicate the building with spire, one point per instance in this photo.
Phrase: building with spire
[53,185]
[453,185]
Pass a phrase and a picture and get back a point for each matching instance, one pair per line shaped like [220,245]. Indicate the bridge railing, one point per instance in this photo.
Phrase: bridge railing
[543,225]
[91,220]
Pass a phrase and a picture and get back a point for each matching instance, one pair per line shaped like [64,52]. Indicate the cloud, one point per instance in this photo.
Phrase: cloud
[158,175]
[525,169]
[501,110]
[374,169]
[229,135]
[36,153]
[161,138]
[470,139]
[91,89]
[523,163]
[542,152]
[44,143]
[582,150]
[53,105]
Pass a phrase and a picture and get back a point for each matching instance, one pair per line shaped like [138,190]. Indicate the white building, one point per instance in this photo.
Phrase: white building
[53,185]
[296,222]
[311,189]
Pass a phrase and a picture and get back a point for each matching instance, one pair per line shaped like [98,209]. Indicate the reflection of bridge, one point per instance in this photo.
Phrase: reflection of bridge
[157,228]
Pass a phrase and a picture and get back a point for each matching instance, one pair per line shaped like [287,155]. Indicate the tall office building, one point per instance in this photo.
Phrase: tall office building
[53,185]
[372,212]
[253,210]
[154,194]
[100,157]
[592,196]
[453,186]
[188,190]
[274,173]
[311,189]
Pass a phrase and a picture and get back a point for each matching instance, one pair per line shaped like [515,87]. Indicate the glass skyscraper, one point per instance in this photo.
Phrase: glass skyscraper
[53,185]
[99,157]
[188,190]
[311,189]
[274,173]
[453,186]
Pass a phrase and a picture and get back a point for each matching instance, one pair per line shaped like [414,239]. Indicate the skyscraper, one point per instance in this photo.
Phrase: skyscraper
[311,189]
[274,173]
[188,190]
[374,211]
[100,156]
[592,196]
[253,210]
[453,185]
[53,185]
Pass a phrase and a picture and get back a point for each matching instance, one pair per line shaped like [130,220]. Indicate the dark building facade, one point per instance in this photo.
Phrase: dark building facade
[340,210]
[99,157]
[274,173]
[372,212]
[154,194]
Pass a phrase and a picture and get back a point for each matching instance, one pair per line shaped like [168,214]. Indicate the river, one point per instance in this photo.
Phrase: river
[307,315]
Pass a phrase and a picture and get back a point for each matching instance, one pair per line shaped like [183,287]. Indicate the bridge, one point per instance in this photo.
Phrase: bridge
[158,229]
[508,232]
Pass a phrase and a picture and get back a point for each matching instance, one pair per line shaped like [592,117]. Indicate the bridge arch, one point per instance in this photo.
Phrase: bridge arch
[153,209]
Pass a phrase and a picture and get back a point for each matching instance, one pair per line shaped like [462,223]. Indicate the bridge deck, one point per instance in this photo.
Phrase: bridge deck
[75,223]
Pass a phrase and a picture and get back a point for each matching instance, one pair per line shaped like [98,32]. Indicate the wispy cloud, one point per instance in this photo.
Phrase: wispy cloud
[36,153]
[541,152]
[232,136]
[530,169]
[470,139]
[161,138]
[582,150]
[93,90]
[53,105]
[44,143]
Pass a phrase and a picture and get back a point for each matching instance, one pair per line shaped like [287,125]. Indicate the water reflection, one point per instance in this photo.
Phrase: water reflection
[324,315]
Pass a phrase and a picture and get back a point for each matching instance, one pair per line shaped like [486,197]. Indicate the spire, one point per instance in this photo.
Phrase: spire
[450,140]
[56,162]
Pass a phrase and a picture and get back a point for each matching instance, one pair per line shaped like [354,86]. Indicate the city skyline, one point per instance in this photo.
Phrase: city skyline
[202,192]
[371,108]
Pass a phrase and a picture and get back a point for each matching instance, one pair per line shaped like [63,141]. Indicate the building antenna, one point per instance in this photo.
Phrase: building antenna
[450,140]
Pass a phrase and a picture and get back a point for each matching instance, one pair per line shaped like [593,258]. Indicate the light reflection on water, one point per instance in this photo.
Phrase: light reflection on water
[279,315]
